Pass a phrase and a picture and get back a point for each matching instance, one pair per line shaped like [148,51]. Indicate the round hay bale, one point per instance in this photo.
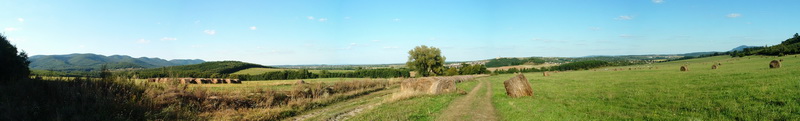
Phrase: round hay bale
[781,60]
[300,82]
[518,86]
[775,64]
[545,73]
[684,68]
[713,66]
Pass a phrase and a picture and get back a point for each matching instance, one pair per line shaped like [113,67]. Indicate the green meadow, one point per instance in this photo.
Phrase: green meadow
[254,71]
[740,89]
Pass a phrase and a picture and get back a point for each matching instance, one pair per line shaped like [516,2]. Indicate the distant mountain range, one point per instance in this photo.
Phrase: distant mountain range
[89,62]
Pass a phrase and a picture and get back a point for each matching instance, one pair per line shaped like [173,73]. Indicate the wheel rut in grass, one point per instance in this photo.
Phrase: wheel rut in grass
[475,106]
[346,109]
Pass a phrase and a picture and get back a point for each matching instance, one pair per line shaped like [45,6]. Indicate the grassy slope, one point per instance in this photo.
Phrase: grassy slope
[742,88]
[254,71]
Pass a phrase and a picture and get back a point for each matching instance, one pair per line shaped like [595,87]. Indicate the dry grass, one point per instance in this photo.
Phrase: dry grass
[127,99]
[410,88]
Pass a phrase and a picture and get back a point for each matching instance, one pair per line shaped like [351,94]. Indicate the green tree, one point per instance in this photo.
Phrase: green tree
[14,63]
[105,74]
[427,61]
[451,72]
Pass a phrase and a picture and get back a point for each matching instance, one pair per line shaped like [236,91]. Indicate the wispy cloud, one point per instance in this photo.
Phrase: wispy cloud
[21,19]
[323,19]
[626,35]
[8,29]
[658,1]
[734,15]
[253,28]
[396,19]
[310,17]
[142,41]
[351,46]
[169,38]
[210,32]
[626,17]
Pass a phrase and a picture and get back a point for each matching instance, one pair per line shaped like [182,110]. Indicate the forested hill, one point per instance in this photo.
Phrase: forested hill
[787,47]
[90,62]
[200,70]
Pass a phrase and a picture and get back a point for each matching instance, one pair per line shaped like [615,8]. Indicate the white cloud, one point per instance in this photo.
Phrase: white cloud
[323,19]
[396,19]
[734,15]
[624,18]
[21,19]
[310,17]
[210,32]
[253,28]
[142,41]
[169,38]
[10,29]
[351,46]
[658,1]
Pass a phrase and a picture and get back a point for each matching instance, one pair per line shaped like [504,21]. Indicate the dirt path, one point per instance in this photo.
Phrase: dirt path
[476,106]
[344,110]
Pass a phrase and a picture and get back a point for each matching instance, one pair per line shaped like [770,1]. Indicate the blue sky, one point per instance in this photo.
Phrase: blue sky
[289,32]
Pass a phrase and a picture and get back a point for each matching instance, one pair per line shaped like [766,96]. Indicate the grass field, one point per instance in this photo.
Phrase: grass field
[741,89]
[254,71]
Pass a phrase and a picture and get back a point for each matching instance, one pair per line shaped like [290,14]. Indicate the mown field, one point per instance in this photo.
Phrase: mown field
[269,84]
[254,71]
[741,89]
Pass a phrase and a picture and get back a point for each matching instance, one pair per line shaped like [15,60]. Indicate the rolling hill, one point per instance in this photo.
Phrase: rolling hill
[89,62]
[200,70]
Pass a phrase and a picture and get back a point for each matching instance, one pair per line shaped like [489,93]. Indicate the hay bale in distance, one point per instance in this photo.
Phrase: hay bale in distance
[518,86]
[300,82]
[713,66]
[684,68]
[428,85]
[775,64]
[198,81]
[545,73]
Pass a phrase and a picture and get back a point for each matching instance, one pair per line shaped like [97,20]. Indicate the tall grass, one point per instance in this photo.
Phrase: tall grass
[126,99]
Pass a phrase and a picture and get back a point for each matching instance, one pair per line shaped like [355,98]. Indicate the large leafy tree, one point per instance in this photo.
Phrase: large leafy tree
[427,61]
[14,64]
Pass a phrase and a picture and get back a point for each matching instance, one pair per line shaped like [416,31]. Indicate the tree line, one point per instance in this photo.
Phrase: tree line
[580,65]
[787,47]
[305,74]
